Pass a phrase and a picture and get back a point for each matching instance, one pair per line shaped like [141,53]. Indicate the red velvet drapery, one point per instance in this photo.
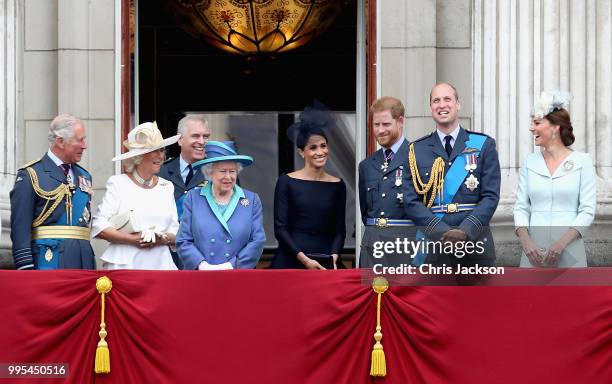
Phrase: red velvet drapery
[305,327]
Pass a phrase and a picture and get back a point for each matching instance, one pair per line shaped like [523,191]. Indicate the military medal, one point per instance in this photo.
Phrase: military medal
[470,162]
[568,165]
[48,254]
[398,177]
[471,183]
[70,183]
[385,164]
[244,202]
[85,185]
[86,215]
[400,197]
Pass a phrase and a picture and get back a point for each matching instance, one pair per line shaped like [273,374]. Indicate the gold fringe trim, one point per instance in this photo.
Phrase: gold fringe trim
[378,367]
[102,365]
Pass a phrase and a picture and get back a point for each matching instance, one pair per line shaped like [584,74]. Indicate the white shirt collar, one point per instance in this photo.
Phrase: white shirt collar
[55,159]
[396,146]
[454,134]
[182,163]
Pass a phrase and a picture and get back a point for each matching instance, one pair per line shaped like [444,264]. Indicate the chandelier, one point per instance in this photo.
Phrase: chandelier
[253,27]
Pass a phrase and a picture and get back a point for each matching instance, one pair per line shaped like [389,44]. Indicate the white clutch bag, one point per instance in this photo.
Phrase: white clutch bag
[125,222]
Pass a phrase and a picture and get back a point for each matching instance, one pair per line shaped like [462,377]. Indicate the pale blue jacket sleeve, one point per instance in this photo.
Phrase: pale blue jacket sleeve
[185,245]
[588,196]
[249,255]
[522,207]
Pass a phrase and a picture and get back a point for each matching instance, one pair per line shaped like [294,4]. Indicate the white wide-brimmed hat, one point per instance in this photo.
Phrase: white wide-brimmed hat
[143,139]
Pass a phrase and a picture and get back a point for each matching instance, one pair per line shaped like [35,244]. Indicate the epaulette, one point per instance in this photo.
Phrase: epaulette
[423,138]
[202,184]
[31,163]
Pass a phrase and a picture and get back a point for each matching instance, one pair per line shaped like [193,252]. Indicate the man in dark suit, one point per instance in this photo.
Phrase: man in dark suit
[50,204]
[383,174]
[455,183]
[194,133]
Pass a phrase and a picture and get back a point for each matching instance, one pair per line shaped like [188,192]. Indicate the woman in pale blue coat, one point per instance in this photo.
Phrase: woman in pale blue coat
[222,226]
[556,196]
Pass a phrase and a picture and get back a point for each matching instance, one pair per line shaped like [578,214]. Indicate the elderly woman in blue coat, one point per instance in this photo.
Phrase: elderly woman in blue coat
[222,226]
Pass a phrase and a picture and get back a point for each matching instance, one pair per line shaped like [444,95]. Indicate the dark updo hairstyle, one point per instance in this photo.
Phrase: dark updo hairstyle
[561,118]
[316,120]
[305,133]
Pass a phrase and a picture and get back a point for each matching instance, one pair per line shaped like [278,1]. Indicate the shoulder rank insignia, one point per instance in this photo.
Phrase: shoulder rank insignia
[203,184]
[31,163]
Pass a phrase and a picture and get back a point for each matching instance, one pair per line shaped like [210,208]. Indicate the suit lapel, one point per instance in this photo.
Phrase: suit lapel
[462,137]
[53,170]
[400,157]
[436,145]
[175,173]
[197,178]
[378,160]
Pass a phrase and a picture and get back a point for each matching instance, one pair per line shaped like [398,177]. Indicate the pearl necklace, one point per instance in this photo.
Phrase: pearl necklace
[147,183]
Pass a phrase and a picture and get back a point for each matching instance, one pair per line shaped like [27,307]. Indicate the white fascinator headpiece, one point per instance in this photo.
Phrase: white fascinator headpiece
[549,102]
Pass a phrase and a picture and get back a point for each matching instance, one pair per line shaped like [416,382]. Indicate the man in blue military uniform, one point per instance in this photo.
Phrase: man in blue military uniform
[194,133]
[50,204]
[455,183]
[383,174]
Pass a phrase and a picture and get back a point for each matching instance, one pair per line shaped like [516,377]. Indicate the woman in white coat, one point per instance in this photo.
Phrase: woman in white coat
[557,191]
[144,204]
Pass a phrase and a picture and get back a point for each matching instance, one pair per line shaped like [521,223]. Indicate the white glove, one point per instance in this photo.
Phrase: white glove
[204,266]
[148,235]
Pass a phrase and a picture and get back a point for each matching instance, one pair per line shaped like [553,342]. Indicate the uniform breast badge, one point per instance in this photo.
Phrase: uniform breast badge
[48,254]
[470,162]
[385,165]
[86,215]
[568,165]
[398,177]
[85,185]
[471,183]
[70,183]
[244,202]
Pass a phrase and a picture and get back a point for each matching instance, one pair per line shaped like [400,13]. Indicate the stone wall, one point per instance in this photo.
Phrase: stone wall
[64,55]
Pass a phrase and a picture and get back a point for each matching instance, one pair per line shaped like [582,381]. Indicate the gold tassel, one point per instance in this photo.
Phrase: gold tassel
[378,367]
[102,365]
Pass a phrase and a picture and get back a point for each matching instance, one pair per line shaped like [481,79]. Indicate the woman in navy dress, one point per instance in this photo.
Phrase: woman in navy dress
[309,204]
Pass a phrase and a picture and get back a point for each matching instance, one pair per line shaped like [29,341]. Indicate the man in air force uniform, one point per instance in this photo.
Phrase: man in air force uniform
[455,183]
[50,204]
[382,176]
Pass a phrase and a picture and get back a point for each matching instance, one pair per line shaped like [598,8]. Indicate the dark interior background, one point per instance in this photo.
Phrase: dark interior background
[179,73]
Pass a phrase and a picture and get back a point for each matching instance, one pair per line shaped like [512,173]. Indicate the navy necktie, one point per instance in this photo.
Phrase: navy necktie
[65,169]
[189,175]
[447,145]
[388,155]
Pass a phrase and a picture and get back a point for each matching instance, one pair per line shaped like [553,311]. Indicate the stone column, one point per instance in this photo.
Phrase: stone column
[408,58]
[523,47]
[9,72]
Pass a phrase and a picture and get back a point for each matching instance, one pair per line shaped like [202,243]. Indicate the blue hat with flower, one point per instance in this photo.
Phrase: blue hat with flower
[222,151]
